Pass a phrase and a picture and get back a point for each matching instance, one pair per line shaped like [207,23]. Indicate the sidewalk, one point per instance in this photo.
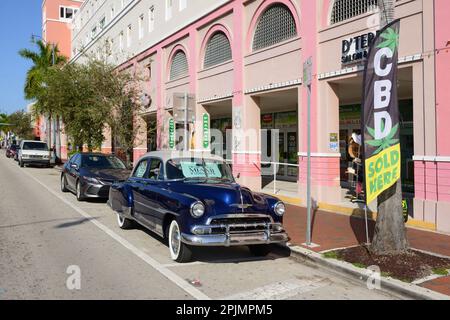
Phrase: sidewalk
[335,231]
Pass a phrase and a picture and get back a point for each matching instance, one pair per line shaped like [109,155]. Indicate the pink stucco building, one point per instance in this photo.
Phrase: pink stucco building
[241,63]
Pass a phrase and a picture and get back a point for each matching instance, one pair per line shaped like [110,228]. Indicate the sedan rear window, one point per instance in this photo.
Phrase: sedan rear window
[38,146]
[102,162]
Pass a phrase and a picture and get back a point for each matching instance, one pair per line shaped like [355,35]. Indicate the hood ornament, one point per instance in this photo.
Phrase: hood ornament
[241,205]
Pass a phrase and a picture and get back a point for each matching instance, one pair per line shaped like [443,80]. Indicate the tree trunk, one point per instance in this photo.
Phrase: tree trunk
[49,133]
[390,230]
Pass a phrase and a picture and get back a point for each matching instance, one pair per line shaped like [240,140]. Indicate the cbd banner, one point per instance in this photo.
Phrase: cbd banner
[380,116]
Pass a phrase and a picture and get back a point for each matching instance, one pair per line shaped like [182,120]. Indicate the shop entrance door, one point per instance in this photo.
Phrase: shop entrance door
[288,148]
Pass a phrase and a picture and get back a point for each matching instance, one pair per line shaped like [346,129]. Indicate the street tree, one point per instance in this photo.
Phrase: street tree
[73,93]
[20,124]
[390,230]
[4,122]
[91,97]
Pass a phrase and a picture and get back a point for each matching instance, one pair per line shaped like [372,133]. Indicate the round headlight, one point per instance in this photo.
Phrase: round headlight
[197,209]
[280,208]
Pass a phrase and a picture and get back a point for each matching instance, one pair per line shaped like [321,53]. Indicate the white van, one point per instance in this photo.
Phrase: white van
[34,152]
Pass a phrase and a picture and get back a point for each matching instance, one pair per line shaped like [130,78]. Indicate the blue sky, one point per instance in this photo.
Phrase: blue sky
[18,20]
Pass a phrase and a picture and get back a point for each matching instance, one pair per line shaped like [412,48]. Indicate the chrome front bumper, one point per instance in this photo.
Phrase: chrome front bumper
[205,235]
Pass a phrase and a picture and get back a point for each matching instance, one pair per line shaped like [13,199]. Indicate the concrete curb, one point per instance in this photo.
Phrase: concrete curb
[394,285]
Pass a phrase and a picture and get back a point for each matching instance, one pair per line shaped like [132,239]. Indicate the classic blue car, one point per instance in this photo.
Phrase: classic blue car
[193,200]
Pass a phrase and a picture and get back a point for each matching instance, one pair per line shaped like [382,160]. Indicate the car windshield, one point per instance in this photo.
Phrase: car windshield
[102,162]
[195,169]
[38,146]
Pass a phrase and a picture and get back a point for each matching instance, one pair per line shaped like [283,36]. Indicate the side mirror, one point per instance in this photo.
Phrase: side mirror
[74,166]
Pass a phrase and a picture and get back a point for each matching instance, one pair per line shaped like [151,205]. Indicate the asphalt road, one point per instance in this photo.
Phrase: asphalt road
[53,247]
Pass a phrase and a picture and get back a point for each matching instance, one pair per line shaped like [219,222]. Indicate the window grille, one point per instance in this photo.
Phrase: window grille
[179,65]
[218,50]
[275,25]
[347,9]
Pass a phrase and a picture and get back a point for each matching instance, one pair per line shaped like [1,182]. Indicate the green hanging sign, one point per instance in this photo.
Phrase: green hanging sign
[171,133]
[206,139]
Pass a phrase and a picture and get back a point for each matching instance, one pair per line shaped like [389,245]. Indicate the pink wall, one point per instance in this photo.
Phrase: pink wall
[56,31]
[442,44]
[442,40]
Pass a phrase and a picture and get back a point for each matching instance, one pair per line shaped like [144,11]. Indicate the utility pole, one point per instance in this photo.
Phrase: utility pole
[390,230]
[186,122]
[307,81]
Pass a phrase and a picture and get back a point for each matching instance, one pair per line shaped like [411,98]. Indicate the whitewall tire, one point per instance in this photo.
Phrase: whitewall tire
[179,251]
[124,223]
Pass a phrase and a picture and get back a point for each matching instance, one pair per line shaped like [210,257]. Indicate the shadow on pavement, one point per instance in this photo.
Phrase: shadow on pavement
[41,222]
[74,223]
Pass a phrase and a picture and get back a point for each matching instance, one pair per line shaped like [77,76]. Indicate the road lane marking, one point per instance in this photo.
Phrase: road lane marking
[281,290]
[177,280]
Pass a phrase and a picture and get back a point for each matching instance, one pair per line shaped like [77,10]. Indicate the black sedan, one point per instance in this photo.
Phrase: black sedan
[90,175]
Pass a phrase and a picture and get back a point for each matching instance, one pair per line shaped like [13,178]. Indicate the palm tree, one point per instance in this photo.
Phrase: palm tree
[4,121]
[45,58]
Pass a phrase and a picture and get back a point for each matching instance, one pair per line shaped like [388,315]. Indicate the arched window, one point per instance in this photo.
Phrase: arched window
[218,50]
[179,66]
[347,9]
[275,25]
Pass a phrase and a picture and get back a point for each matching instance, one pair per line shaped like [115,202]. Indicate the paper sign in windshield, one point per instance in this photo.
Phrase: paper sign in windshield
[197,170]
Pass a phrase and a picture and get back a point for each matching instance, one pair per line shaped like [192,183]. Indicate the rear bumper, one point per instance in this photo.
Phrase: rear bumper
[273,233]
[36,162]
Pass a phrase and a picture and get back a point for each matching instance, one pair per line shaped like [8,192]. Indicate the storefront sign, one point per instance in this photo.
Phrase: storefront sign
[171,133]
[356,49]
[334,142]
[206,139]
[380,116]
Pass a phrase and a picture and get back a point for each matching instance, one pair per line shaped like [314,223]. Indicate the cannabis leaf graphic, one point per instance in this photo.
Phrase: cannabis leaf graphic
[385,143]
[391,39]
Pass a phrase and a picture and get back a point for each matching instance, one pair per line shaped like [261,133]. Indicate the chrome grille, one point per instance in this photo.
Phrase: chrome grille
[239,225]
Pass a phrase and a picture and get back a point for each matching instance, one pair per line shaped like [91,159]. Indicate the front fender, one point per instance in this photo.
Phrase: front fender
[120,197]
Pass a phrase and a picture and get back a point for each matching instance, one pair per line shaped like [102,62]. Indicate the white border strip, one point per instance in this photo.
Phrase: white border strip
[173,277]
[357,68]
[431,159]
[320,155]
[274,86]
[225,96]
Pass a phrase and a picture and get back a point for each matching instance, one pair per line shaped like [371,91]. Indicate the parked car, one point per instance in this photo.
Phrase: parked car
[33,153]
[90,175]
[11,151]
[194,200]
